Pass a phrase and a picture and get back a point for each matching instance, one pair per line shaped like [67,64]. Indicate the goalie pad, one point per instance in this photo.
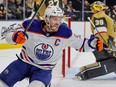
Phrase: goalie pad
[101,55]
[97,69]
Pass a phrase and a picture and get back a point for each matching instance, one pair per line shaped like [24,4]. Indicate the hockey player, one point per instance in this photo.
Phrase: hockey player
[103,27]
[104,24]
[42,48]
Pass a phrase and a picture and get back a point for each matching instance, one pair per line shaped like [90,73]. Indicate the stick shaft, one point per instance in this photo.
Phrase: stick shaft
[40,6]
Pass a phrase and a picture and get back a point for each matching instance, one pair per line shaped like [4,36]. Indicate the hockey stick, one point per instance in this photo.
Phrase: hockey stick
[40,6]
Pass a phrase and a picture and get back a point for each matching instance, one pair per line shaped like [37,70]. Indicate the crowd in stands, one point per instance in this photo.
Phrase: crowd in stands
[15,10]
[3,9]
[112,12]
[76,15]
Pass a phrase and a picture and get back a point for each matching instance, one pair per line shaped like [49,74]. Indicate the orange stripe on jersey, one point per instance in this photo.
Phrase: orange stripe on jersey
[26,58]
[80,50]
[100,32]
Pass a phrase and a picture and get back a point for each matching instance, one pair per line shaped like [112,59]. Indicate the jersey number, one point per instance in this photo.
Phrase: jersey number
[99,22]
[53,2]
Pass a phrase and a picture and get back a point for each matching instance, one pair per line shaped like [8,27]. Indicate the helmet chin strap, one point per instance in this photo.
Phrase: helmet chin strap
[48,24]
[50,28]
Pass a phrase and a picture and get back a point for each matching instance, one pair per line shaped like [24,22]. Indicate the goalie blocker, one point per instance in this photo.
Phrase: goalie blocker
[97,69]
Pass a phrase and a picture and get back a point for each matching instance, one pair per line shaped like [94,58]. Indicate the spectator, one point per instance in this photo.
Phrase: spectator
[19,9]
[113,13]
[11,9]
[29,7]
[70,11]
[86,5]
[3,9]
[87,12]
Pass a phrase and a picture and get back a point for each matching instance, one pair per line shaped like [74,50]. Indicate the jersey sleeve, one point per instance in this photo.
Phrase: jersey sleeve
[9,35]
[9,38]
[25,23]
[81,44]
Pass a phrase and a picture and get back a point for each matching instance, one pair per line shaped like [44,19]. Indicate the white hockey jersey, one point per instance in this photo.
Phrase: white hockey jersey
[42,49]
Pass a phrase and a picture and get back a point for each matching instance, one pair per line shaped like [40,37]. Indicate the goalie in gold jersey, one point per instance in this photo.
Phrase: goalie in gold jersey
[103,23]
[103,26]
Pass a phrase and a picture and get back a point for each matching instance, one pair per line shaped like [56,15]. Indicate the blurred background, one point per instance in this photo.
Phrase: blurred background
[78,10]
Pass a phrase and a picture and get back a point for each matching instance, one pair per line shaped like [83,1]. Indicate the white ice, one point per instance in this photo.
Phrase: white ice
[8,55]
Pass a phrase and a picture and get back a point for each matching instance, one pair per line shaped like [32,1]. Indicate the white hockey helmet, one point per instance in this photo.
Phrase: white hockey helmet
[52,11]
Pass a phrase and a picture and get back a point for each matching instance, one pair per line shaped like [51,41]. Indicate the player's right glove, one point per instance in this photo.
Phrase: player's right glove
[95,43]
[19,37]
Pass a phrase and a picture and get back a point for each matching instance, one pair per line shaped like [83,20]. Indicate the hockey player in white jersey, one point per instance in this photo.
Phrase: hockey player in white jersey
[42,48]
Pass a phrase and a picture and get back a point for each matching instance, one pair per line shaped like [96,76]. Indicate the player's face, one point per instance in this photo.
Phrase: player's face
[55,21]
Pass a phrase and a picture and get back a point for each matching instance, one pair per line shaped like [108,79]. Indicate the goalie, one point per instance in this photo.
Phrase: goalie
[103,27]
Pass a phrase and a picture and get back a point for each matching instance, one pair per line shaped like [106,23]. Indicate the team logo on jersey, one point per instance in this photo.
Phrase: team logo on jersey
[43,51]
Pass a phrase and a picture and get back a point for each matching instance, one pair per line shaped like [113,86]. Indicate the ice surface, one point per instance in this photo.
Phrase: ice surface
[7,56]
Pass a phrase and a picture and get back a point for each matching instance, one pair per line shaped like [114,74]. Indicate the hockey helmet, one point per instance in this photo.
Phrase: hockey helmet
[53,11]
[98,6]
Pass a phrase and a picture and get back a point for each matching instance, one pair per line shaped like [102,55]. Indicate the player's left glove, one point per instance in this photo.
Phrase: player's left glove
[95,43]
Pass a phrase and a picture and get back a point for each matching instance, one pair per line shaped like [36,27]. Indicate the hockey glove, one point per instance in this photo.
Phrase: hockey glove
[95,43]
[99,44]
[19,37]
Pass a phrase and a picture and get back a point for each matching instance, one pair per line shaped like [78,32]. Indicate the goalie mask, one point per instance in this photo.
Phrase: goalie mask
[52,11]
[98,6]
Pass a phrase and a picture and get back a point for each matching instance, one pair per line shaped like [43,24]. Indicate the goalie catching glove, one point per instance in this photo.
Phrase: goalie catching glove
[19,37]
[92,42]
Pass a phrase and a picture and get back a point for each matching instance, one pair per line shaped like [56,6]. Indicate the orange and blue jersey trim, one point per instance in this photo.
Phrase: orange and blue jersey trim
[36,27]
[100,33]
